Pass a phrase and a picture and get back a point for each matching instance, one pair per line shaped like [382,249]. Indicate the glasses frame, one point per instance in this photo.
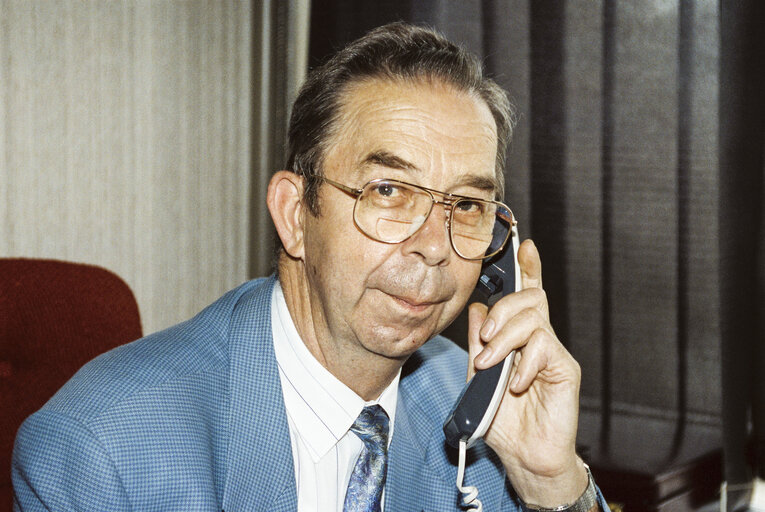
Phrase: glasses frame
[448,202]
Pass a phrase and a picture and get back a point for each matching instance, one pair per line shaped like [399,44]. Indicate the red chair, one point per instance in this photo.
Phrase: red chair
[54,317]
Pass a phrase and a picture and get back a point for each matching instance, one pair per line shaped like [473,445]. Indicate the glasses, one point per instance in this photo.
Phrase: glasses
[391,211]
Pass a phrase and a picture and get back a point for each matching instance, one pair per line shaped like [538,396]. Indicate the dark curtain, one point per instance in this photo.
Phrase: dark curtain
[742,263]
[637,168]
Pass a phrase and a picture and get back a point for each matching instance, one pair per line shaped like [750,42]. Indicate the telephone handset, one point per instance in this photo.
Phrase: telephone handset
[474,409]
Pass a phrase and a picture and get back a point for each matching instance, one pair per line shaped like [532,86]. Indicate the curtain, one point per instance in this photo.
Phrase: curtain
[280,46]
[742,262]
[125,143]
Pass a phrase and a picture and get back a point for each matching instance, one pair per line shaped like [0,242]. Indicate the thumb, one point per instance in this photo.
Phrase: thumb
[531,265]
[477,313]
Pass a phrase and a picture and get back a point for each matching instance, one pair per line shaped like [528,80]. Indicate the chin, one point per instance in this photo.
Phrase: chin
[394,342]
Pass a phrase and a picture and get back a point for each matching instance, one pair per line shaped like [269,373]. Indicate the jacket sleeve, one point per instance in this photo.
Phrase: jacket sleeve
[59,465]
[602,502]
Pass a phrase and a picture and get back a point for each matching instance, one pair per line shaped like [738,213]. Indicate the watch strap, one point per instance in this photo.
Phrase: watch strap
[584,503]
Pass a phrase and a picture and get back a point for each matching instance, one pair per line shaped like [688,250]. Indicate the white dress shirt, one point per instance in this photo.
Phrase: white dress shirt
[320,412]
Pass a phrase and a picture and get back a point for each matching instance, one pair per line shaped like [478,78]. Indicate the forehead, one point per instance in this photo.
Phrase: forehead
[439,134]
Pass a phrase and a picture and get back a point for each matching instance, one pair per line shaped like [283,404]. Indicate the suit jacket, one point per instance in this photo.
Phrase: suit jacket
[192,419]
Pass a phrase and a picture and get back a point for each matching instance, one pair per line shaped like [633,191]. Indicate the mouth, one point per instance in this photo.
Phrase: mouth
[413,305]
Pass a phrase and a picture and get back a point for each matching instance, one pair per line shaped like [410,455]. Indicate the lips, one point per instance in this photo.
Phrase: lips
[412,290]
[413,304]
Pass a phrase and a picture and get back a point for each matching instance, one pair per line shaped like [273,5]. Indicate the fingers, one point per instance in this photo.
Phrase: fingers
[509,325]
[543,357]
[476,316]
[509,335]
[518,321]
[531,265]
[512,305]
[539,355]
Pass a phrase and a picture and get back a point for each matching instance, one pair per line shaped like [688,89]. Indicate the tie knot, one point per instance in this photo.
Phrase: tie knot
[372,426]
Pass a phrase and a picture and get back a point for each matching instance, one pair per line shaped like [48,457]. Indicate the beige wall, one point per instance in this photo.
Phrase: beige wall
[124,142]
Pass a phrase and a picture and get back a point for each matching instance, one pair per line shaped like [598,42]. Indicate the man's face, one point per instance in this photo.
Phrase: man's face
[388,299]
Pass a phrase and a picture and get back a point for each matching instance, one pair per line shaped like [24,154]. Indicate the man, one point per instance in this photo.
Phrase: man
[396,158]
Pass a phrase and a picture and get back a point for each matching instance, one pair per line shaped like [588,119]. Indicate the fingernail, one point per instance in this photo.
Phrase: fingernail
[484,356]
[487,330]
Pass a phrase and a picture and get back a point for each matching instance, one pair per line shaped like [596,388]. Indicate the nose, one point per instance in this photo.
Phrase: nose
[431,241]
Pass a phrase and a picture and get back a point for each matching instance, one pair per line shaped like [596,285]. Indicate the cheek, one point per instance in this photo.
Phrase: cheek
[466,274]
[340,256]
[466,271]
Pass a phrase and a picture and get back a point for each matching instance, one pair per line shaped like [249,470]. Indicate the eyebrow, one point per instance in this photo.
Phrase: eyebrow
[481,183]
[387,159]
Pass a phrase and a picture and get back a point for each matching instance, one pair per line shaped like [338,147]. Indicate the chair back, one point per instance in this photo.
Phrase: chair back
[54,317]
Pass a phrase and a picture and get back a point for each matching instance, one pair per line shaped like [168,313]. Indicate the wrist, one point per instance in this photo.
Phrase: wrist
[548,488]
[587,500]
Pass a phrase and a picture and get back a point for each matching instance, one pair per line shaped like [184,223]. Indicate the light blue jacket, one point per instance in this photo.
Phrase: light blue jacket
[192,419]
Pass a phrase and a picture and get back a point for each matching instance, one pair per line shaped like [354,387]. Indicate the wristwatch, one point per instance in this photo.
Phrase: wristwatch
[584,503]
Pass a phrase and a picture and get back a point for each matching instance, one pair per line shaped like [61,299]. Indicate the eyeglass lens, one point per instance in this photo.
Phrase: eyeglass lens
[391,212]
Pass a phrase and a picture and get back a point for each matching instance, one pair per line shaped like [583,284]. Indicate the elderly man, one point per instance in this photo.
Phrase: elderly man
[326,388]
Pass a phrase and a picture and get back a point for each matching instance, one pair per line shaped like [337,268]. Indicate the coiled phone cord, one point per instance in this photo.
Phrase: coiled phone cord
[469,492]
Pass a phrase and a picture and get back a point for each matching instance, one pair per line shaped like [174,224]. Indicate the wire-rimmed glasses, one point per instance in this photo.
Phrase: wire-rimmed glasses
[391,211]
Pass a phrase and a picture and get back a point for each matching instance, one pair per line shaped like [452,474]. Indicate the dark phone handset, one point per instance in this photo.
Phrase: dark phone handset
[474,409]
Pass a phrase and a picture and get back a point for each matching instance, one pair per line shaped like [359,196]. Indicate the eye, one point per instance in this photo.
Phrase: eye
[386,194]
[469,206]
[386,189]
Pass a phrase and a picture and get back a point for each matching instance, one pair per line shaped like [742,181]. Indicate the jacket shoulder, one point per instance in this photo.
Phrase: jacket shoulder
[193,347]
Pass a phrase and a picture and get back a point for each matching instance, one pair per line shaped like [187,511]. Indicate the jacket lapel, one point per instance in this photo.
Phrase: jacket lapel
[422,470]
[418,477]
[260,474]
[406,462]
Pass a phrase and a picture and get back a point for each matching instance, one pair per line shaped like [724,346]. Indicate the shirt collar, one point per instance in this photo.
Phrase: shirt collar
[322,408]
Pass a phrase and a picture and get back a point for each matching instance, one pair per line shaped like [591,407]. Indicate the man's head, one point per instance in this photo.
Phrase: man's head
[395,52]
[363,304]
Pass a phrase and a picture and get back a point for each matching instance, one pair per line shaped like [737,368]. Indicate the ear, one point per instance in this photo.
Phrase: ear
[285,203]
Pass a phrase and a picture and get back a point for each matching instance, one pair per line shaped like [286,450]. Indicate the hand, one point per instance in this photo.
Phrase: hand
[534,430]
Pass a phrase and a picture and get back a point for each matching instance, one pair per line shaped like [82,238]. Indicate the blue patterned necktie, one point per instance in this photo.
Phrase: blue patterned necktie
[368,478]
